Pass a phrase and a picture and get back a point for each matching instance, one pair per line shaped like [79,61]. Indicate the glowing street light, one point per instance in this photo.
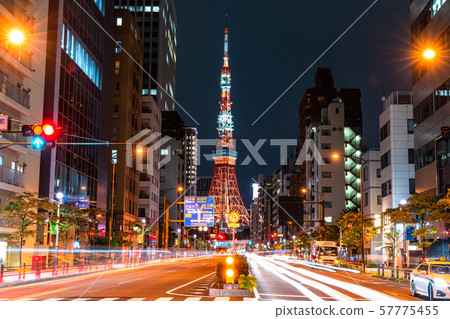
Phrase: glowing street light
[140,150]
[429,54]
[16,36]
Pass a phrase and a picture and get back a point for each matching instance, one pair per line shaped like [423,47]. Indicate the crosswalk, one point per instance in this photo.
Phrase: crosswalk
[143,299]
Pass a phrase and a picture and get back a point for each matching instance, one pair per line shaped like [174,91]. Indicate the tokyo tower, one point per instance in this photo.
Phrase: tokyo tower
[224,186]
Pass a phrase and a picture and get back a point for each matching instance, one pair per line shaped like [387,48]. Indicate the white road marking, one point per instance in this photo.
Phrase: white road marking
[292,296]
[164,299]
[108,299]
[53,299]
[193,299]
[136,299]
[250,299]
[26,299]
[222,299]
[82,299]
[170,292]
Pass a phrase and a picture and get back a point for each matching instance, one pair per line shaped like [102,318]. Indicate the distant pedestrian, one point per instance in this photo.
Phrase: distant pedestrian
[421,259]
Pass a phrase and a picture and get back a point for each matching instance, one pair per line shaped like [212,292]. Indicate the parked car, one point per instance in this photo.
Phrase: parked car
[431,279]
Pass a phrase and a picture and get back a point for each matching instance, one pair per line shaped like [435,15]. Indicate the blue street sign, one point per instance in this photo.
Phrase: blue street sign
[37,142]
[410,233]
[80,201]
[198,211]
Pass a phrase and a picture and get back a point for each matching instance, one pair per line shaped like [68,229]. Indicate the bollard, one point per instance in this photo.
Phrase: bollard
[1,272]
[24,266]
[392,272]
[90,265]
[38,270]
[378,270]
[382,271]
[397,271]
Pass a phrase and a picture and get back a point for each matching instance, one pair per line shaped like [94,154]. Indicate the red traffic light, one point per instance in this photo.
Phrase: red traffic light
[48,129]
[220,236]
[272,235]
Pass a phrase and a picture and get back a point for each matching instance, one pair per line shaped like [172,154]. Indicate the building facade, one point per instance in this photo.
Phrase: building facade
[125,122]
[77,98]
[22,77]
[157,21]
[190,161]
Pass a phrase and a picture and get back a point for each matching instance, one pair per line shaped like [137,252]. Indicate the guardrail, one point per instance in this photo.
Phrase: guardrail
[394,272]
[83,265]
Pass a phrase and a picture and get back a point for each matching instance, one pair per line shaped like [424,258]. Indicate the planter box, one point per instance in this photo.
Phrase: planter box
[230,291]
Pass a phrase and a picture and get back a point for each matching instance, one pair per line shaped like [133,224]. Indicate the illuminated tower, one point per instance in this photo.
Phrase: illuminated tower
[224,186]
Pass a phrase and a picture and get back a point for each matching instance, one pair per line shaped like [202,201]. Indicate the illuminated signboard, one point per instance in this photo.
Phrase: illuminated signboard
[198,211]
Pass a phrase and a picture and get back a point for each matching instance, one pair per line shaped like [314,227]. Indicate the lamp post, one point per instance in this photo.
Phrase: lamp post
[166,216]
[113,201]
[361,163]
[143,232]
[321,203]
[57,202]
[179,233]
[195,241]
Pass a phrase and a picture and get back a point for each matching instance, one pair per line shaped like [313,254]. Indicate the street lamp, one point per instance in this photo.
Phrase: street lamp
[166,216]
[16,36]
[195,241]
[362,163]
[57,202]
[429,54]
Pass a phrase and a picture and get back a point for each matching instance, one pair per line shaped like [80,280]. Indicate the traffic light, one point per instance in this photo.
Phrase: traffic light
[229,272]
[45,135]
[221,236]
[272,235]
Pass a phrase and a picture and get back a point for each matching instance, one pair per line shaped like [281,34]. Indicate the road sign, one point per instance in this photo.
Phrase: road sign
[233,225]
[80,201]
[233,218]
[37,142]
[198,211]
[4,122]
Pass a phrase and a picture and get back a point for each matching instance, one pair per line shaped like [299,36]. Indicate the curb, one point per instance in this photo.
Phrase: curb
[393,280]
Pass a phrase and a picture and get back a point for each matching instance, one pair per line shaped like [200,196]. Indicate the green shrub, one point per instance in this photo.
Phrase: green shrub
[247,282]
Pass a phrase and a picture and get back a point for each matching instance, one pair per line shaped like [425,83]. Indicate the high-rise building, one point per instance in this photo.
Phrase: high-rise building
[310,110]
[157,21]
[371,203]
[77,98]
[22,81]
[125,122]
[190,161]
[264,209]
[430,30]
[149,179]
[203,185]
[397,149]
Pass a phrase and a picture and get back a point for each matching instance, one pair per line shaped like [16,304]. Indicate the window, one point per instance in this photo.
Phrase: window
[141,212]
[328,204]
[379,200]
[326,189]
[412,185]
[116,111]
[378,172]
[386,159]
[13,166]
[411,156]
[326,132]
[1,160]
[117,67]
[365,173]
[116,89]
[326,146]
[164,151]
[115,134]
[326,174]
[119,22]
[327,160]
[118,46]
[337,110]
[366,199]
[410,126]
[386,189]
[162,179]
[385,131]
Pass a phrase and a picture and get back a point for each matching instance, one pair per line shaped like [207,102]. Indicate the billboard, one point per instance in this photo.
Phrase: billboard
[198,211]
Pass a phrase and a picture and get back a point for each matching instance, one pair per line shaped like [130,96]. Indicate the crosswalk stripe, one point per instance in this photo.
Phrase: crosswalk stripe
[222,299]
[26,299]
[164,299]
[53,299]
[193,299]
[136,299]
[81,299]
[250,299]
[108,299]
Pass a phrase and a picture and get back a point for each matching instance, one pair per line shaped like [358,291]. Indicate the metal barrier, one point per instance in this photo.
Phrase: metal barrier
[395,272]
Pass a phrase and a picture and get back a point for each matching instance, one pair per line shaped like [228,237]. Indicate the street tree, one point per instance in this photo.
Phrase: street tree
[22,215]
[327,233]
[349,224]
[422,211]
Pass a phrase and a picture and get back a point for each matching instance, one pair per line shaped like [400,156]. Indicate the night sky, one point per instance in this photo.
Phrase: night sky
[271,44]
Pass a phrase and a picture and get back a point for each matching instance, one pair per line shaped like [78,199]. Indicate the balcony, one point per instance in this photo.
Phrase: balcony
[12,177]
[146,109]
[17,53]
[14,92]
[144,195]
[18,12]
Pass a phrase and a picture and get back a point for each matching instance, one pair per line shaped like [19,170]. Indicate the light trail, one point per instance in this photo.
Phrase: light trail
[364,292]
[327,290]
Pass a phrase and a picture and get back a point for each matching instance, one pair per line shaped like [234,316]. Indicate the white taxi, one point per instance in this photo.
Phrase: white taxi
[431,279]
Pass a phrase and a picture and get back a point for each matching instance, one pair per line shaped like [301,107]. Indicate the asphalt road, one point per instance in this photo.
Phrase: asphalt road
[186,279]
[283,278]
